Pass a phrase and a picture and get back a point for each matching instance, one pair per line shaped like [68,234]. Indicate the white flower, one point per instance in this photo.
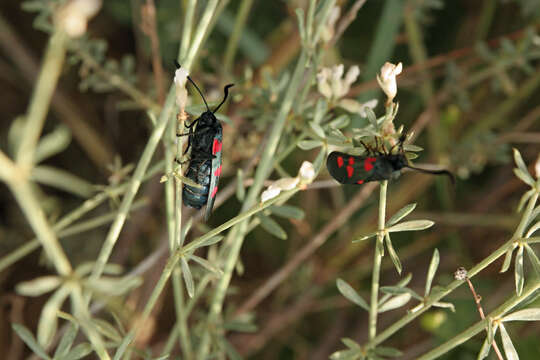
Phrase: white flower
[387,79]
[74,16]
[180,79]
[306,172]
[270,193]
[331,83]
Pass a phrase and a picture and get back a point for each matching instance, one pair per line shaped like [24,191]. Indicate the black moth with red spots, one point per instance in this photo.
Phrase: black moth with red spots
[205,140]
[377,166]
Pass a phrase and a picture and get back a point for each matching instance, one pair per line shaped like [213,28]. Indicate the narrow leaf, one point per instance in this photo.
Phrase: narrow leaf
[445,305]
[39,286]
[507,260]
[206,264]
[371,117]
[524,199]
[320,110]
[484,350]
[518,271]
[66,341]
[287,211]
[317,129]
[48,321]
[29,340]
[399,290]
[404,211]
[525,177]
[240,189]
[347,290]
[351,344]
[393,254]
[395,302]
[491,331]
[213,240]
[79,352]
[339,122]
[531,314]
[188,279]
[533,229]
[368,236]
[533,259]
[272,226]
[309,144]
[413,225]
[519,162]
[433,265]
[388,351]
[107,330]
[231,352]
[509,349]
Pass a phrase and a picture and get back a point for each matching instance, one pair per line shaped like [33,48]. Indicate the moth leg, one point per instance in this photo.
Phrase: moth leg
[369,150]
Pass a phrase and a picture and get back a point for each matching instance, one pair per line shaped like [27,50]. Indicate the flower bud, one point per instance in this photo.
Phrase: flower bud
[387,80]
[306,172]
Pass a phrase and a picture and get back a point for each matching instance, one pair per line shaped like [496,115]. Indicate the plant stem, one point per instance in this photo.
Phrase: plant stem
[41,97]
[239,24]
[202,28]
[456,283]
[186,31]
[373,310]
[481,325]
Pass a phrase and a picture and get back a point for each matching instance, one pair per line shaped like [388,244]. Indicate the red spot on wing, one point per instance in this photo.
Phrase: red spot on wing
[339,161]
[214,192]
[218,171]
[368,163]
[216,146]
[350,170]
[360,182]
[351,160]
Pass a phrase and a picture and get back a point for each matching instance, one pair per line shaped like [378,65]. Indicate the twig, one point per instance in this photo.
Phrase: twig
[148,25]
[346,21]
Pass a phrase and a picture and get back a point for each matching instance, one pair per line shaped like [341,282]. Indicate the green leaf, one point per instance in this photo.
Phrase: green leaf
[404,211]
[491,330]
[113,286]
[320,110]
[107,330]
[531,314]
[188,279]
[309,144]
[206,264]
[347,290]
[507,260]
[535,262]
[240,189]
[29,340]
[525,177]
[371,117]
[66,341]
[38,286]
[287,211]
[388,351]
[213,240]
[413,225]
[365,237]
[340,122]
[48,321]
[317,129]
[509,349]
[524,199]
[395,302]
[484,350]
[78,352]
[52,143]
[231,352]
[346,355]
[301,26]
[433,265]
[533,229]
[351,344]
[518,271]
[445,305]
[520,163]
[240,326]
[393,254]
[411,147]
[400,290]
[272,226]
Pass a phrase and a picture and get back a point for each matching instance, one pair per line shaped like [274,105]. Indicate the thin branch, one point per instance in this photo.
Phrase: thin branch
[149,27]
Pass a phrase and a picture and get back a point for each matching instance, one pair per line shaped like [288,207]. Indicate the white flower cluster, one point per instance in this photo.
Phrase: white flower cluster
[387,80]
[306,174]
[333,86]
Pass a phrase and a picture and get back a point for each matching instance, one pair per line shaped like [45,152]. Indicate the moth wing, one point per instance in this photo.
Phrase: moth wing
[349,169]
[215,172]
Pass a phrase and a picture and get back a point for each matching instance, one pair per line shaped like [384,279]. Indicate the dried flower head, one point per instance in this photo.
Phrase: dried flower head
[180,79]
[73,17]
[460,274]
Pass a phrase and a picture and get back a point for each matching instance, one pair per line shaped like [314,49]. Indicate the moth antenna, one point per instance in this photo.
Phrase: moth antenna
[435,172]
[193,82]
[226,90]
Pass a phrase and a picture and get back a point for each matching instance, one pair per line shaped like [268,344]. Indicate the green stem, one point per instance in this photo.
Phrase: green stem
[430,300]
[481,325]
[138,175]
[239,24]
[41,97]
[202,28]
[186,32]
[373,310]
